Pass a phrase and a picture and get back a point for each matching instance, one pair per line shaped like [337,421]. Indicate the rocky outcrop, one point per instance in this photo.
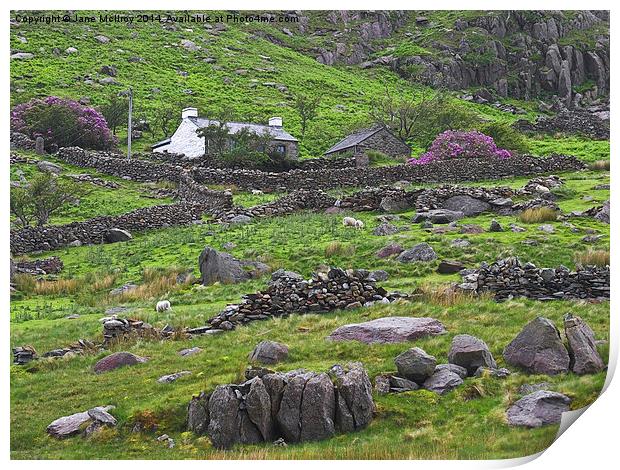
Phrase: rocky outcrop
[84,422]
[538,349]
[116,360]
[51,265]
[537,409]
[297,406]
[510,278]
[269,352]
[389,330]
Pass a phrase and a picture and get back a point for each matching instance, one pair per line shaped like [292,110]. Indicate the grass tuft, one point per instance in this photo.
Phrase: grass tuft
[537,215]
[337,248]
[593,258]
[600,165]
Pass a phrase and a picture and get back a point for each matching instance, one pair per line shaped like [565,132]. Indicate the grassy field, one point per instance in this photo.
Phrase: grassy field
[466,423]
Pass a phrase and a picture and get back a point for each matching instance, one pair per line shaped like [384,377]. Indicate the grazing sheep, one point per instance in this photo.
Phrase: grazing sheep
[359,225]
[257,192]
[348,222]
[162,306]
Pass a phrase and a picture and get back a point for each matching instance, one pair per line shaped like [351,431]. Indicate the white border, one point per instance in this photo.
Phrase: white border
[592,443]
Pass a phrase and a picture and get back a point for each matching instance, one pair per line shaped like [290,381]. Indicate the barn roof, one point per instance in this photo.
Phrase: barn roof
[354,139]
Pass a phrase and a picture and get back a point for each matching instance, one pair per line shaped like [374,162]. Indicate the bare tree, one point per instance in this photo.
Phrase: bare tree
[307,108]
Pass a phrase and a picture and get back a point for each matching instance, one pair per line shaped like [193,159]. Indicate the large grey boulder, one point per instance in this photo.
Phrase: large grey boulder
[389,330]
[228,424]
[458,370]
[442,381]
[221,267]
[394,204]
[384,229]
[415,364]
[115,235]
[538,349]
[470,352]
[49,167]
[318,409]
[438,216]
[420,252]
[585,359]
[603,214]
[466,204]
[538,409]
[76,423]
[116,360]
[354,405]
[289,413]
[269,352]
[198,414]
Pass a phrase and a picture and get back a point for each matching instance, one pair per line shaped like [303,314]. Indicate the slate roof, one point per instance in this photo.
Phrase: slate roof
[277,133]
[354,139]
[160,143]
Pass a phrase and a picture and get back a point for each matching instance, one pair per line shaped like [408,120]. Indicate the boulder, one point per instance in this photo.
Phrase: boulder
[442,381]
[49,167]
[421,252]
[500,373]
[603,214]
[495,226]
[190,351]
[438,216]
[385,229]
[116,360]
[538,409]
[389,330]
[228,424]
[216,266]
[394,204]
[269,352]
[470,352]
[538,349]
[400,384]
[241,219]
[471,229]
[415,364]
[318,408]
[466,204]
[450,267]
[379,275]
[289,414]
[354,405]
[114,235]
[390,250]
[73,424]
[584,357]
[458,370]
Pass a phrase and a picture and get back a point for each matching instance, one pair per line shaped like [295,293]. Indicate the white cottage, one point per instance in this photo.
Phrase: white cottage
[185,140]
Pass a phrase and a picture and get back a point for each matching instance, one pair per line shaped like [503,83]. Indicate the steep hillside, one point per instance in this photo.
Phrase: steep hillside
[254,70]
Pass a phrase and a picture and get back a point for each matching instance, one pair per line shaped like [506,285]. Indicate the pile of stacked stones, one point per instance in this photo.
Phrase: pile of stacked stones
[288,293]
[468,357]
[21,141]
[14,158]
[115,329]
[51,265]
[600,213]
[508,278]
[447,196]
[541,185]
[299,200]
[384,198]
[191,192]
[86,178]
[295,406]
[24,354]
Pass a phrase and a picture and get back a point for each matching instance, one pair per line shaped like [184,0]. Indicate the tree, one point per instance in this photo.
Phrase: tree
[115,111]
[164,117]
[420,120]
[307,108]
[42,197]
[216,138]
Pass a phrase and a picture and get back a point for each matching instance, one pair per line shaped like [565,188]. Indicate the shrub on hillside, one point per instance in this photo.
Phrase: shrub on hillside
[63,123]
[506,137]
[538,215]
[461,144]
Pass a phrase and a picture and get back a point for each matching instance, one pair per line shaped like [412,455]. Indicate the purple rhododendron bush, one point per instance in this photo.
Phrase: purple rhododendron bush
[63,123]
[461,144]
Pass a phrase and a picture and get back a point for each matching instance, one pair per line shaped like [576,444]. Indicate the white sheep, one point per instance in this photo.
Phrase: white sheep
[359,225]
[257,192]
[162,306]
[348,222]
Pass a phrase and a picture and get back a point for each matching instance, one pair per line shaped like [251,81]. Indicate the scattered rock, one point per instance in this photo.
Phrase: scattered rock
[415,364]
[470,352]
[460,243]
[166,379]
[538,409]
[190,351]
[584,356]
[442,381]
[49,167]
[491,372]
[547,228]
[458,370]
[385,229]
[438,216]
[389,330]
[269,352]
[538,349]
[466,204]
[379,275]
[390,250]
[115,235]
[116,360]
[450,267]
[216,266]
[495,226]
[420,252]
[74,424]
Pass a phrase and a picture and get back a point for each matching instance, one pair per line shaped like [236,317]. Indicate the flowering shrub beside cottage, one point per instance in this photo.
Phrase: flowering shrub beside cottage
[461,144]
[62,123]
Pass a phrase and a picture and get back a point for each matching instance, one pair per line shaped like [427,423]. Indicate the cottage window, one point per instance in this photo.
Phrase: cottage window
[280,148]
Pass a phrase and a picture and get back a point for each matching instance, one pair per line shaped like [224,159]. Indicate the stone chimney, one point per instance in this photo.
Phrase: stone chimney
[189,112]
[275,122]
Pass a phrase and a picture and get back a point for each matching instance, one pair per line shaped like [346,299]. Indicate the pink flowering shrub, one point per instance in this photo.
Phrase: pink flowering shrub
[62,122]
[461,144]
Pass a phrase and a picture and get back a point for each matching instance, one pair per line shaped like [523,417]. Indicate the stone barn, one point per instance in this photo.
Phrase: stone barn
[377,138]
[185,139]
